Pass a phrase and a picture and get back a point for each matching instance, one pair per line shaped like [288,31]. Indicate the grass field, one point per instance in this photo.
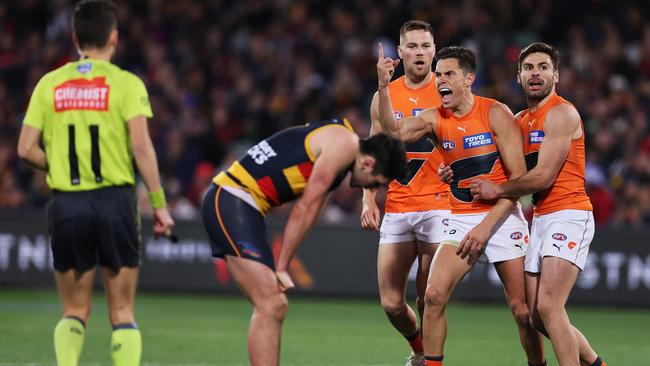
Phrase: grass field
[180,329]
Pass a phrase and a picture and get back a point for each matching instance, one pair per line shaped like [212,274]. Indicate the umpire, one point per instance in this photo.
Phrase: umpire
[92,119]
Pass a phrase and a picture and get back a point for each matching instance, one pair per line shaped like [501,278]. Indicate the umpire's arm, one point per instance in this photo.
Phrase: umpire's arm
[145,158]
[28,148]
[144,153]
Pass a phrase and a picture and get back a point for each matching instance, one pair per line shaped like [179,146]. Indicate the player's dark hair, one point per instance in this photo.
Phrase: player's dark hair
[539,47]
[389,154]
[466,57]
[92,22]
[411,25]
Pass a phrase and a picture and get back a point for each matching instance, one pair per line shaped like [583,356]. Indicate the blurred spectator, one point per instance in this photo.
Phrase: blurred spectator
[224,73]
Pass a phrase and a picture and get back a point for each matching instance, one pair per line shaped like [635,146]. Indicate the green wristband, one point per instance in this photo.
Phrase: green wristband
[157,199]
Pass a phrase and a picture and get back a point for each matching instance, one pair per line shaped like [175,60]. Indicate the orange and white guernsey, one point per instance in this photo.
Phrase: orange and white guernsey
[568,191]
[469,148]
[422,189]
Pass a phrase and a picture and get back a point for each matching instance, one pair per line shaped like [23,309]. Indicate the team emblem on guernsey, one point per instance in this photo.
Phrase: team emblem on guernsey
[535,137]
[261,152]
[82,95]
[480,139]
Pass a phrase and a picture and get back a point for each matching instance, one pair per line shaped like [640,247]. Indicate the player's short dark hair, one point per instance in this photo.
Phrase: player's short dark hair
[413,24]
[93,21]
[539,47]
[389,154]
[466,57]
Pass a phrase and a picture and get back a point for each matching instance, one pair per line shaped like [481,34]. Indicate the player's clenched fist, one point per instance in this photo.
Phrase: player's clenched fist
[385,67]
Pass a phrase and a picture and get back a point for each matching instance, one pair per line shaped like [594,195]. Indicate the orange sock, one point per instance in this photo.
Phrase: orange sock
[415,340]
[433,360]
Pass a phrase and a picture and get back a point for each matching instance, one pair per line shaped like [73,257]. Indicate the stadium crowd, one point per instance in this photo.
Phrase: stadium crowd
[224,74]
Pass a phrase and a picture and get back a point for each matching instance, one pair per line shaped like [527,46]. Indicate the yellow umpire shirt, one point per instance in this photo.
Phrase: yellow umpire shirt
[82,110]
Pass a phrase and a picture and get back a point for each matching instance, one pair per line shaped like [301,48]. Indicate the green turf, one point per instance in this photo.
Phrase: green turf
[183,329]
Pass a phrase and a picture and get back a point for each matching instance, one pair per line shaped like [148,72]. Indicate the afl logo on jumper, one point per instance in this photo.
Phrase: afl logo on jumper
[399,115]
[448,145]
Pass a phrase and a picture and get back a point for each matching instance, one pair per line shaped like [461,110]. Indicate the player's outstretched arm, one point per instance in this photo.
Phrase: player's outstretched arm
[334,157]
[408,129]
[28,148]
[145,158]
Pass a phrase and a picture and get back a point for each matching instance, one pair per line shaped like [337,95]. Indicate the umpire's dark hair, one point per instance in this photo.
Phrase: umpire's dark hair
[539,47]
[389,154]
[466,57]
[92,22]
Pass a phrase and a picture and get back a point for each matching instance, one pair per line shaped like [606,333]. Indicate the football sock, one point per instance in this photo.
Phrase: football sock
[126,345]
[537,364]
[598,362]
[415,340]
[433,360]
[68,340]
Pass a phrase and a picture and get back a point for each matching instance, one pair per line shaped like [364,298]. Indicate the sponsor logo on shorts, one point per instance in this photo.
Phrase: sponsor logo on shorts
[559,236]
[452,231]
[480,139]
[516,235]
[448,145]
[399,115]
[558,246]
[520,246]
[535,137]
[526,239]
[571,245]
[249,250]
[445,222]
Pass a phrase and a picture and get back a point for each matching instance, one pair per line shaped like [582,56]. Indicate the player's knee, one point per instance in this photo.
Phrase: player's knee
[547,309]
[393,306]
[435,299]
[520,313]
[274,306]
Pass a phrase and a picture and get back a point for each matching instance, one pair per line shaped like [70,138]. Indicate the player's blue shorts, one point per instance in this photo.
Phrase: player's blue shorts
[235,227]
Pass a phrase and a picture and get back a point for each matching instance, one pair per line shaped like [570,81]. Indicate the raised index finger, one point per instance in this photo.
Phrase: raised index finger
[380,52]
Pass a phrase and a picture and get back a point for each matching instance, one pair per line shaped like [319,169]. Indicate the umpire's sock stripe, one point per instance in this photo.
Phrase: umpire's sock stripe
[125,326]
[77,319]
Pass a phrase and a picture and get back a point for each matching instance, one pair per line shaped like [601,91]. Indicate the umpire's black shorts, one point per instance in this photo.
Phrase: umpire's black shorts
[101,226]
[235,227]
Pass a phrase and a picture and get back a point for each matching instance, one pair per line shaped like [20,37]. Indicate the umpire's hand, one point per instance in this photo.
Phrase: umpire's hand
[163,222]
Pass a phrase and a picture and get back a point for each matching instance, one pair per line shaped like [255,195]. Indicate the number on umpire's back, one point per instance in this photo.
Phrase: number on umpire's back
[95,159]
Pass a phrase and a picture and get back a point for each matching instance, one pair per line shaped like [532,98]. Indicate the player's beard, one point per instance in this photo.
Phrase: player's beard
[418,75]
[538,95]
